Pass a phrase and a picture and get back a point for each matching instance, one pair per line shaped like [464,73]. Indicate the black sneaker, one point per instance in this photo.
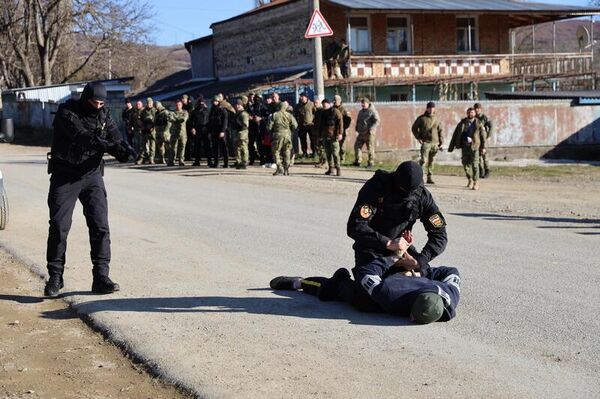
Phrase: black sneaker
[330,289]
[53,286]
[104,285]
[285,283]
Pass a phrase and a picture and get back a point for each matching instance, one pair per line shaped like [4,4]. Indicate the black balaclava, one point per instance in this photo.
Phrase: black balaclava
[92,91]
[408,177]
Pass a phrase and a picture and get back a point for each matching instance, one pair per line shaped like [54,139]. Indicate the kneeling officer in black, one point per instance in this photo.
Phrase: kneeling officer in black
[83,132]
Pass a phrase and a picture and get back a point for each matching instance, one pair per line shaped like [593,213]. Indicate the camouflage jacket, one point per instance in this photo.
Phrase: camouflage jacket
[282,123]
[242,122]
[178,121]
[487,124]
[147,117]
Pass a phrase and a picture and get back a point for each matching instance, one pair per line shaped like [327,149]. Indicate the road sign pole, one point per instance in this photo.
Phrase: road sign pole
[319,85]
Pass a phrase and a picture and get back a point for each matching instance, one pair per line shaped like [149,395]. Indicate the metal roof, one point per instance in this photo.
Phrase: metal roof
[464,5]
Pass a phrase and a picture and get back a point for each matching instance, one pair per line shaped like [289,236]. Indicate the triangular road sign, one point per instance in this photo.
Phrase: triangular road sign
[318,27]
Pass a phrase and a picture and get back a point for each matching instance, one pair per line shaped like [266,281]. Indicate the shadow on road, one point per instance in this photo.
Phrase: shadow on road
[559,221]
[290,303]
[21,298]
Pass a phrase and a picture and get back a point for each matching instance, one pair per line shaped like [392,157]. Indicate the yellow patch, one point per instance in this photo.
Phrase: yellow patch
[436,221]
[366,211]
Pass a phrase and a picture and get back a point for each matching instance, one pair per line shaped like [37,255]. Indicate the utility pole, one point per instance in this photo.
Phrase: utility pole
[319,85]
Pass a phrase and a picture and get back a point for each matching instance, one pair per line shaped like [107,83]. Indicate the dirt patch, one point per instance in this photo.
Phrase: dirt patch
[47,352]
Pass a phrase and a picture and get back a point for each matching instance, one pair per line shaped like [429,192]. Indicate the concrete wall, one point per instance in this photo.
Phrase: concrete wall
[517,123]
[269,40]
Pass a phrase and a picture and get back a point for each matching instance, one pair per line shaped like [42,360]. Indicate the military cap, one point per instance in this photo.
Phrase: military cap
[149,100]
[216,98]
[304,94]
[184,97]
[365,100]
[430,104]
[158,105]
[239,101]
[427,308]
[337,98]
[244,100]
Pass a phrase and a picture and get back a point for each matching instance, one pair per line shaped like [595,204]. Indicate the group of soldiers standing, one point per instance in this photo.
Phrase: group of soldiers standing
[470,135]
[269,131]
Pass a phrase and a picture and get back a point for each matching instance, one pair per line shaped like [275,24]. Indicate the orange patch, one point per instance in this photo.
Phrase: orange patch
[366,211]
[436,221]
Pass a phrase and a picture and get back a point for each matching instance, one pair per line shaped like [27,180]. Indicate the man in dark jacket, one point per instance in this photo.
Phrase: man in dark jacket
[83,132]
[218,125]
[198,124]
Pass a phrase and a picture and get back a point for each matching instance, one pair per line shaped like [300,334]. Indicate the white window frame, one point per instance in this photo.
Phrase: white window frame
[370,31]
[474,46]
[409,49]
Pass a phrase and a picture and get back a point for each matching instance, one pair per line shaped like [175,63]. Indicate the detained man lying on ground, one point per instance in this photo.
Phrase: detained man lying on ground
[425,297]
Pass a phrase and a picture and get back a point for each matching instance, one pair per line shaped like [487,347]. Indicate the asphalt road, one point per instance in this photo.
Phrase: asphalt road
[194,252]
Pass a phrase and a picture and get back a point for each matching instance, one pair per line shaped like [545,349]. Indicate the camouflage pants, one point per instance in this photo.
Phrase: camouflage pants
[367,139]
[483,163]
[241,149]
[470,162]
[163,143]
[332,149]
[428,153]
[148,145]
[282,150]
[177,149]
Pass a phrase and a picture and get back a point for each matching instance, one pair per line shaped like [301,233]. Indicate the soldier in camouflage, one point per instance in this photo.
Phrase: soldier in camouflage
[281,124]
[469,136]
[148,134]
[305,114]
[428,132]
[366,125]
[331,125]
[162,125]
[242,123]
[484,166]
[346,119]
[178,120]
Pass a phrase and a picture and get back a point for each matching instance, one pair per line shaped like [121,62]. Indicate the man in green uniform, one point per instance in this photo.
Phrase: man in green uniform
[305,115]
[281,124]
[148,134]
[242,124]
[484,166]
[331,125]
[178,120]
[162,125]
[346,119]
[366,125]
[343,59]
[319,154]
[428,132]
[469,136]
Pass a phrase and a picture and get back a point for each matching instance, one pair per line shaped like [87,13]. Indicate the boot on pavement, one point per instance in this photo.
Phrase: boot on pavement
[53,286]
[329,171]
[278,171]
[475,186]
[470,184]
[286,283]
[430,179]
[486,174]
[104,285]
[338,171]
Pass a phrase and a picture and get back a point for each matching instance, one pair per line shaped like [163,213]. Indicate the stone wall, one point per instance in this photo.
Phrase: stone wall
[268,40]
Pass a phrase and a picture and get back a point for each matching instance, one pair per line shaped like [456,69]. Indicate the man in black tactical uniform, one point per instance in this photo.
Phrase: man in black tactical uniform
[83,132]
[218,125]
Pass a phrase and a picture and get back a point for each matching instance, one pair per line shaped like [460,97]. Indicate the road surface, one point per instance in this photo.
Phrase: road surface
[194,250]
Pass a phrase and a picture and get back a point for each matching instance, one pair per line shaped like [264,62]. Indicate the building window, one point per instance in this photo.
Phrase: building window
[398,35]
[467,34]
[360,37]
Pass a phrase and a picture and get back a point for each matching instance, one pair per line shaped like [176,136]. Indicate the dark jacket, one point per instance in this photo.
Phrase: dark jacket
[381,214]
[472,129]
[199,119]
[218,120]
[82,136]
[331,123]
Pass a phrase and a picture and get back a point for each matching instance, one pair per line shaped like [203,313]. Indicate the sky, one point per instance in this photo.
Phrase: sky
[179,21]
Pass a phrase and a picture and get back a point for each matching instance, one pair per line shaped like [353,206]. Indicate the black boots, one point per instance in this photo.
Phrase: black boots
[53,286]
[104,285]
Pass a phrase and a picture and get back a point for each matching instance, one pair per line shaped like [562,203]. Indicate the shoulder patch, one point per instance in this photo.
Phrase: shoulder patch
[437,220]
[366,211]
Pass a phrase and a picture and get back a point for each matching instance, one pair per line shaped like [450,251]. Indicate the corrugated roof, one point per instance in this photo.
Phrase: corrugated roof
[463,5]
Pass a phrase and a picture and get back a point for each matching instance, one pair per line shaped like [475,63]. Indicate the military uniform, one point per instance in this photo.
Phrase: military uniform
[242,123]
[347,120]
[366,124]
[484,166]
[427,129]
[332,126]
[148,134]
[162,125]
[281,124]
[469,136]
[320,156]
[178,121]
[305,114]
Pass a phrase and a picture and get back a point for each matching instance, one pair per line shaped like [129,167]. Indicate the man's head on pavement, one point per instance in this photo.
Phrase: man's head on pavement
[408,177]
[94,96]
[427,308]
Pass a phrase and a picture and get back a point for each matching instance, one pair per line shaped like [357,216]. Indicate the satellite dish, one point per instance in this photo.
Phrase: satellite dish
[583,37]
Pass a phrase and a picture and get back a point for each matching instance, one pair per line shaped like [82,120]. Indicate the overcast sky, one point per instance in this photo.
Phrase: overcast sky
[179,21]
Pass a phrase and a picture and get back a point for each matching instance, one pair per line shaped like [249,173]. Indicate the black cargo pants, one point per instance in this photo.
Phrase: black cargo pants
[65,190]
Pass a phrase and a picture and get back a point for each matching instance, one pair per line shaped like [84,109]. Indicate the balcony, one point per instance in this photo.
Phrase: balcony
[466,67]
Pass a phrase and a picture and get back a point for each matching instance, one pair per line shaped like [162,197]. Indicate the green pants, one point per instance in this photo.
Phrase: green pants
[148,145]
[428,153]
[163,139]
[282,150]
[483,162]
[361,140]
[332,151]
[177,147]
[470,161]
[241,148]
